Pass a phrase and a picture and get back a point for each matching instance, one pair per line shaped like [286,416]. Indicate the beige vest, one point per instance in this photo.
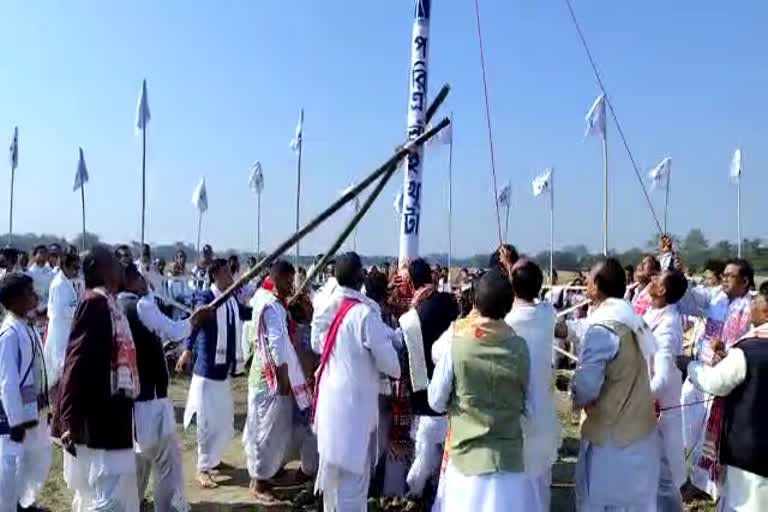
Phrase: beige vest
[623,411]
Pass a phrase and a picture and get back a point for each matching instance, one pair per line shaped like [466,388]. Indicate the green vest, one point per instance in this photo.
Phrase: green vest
[490,382]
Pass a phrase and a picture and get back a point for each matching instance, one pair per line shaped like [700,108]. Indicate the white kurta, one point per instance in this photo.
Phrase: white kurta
[42,278]
[743,491]
[62,303]
[347,405]
[666,386]
[492,492]
[23,466]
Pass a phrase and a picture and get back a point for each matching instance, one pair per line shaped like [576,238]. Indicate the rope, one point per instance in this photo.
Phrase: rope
[488,120]
[613,114]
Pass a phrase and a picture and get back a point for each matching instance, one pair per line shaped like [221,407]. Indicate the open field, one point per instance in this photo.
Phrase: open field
[232,495]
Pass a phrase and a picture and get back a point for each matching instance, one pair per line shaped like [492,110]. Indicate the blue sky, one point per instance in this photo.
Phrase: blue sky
[226,80]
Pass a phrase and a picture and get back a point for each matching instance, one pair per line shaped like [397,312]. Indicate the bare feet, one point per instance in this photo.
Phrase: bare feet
[262,492]
[206,481]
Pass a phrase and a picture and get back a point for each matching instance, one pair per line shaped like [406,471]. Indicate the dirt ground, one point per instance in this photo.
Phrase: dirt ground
[232,495]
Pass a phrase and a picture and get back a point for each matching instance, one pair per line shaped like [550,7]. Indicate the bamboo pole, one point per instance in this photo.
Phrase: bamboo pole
[333,208]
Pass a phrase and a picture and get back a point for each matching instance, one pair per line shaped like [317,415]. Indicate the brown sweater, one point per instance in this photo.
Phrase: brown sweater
[85,405]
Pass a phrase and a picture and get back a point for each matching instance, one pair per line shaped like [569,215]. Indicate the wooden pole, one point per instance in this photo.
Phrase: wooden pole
[10,212]
[298,192]
[199,231]
[450,203]
[605,194]
[258,225]
[333,208]
[666,199]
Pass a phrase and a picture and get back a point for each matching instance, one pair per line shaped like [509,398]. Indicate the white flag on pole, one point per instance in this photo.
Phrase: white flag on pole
[443,138]
[256,181]
[505,196]
[142,109]
[81,176]
[398,203]
[13,156]
[660,174]
[596,118]
[542,182]
[735,172]
[200,197]
[297,137]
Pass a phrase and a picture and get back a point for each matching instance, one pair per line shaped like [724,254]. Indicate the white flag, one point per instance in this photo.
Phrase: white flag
[505,196]
[542,182]
[660,174]
[14,149]
[297,137]
[142,109]
[81,176]
[443,138]
[355,201]
[200,197]
[736,166]
[596,118]
[398,204]
[256,181]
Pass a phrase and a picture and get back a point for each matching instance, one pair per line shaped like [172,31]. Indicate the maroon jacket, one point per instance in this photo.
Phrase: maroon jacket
[85,404]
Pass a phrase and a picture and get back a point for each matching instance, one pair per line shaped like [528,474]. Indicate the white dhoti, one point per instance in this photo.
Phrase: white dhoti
[157,451]
[102,480]
[694,411]
[211,402]
[428,433]
[343,490]
[493,492]
[272,437]
[24,467]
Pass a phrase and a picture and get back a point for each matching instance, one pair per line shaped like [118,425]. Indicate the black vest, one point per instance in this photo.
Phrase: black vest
[435,316]
[744,442]
[150,357]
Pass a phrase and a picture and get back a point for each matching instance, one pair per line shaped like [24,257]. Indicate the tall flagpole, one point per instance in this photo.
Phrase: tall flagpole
[450,201]
[10,213]
[298,191]
[506,222]
[738,215]
[417,109]
[605,193]
[82,204]
[666,200]
[199,231]
[143,180]
[552,228]
[258,225]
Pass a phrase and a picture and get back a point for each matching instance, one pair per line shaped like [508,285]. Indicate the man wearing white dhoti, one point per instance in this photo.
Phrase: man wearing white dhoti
[535,323]
[93,417]
[62,303]
[666,290]
[481,380]
[356,347]
[217,351]
[157,448]
[430,315]
[276,388]
[620,453]
[25,450]
[740,384]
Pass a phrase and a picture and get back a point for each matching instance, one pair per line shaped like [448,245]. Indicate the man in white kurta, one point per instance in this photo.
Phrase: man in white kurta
[535,323]
[25,450]
[356,347]
[666,323]
[276,388]
[42,276]
[611,383]
[62,303]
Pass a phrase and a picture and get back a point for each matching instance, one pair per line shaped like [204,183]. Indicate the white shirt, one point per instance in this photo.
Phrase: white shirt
[42,278]
[162,326]
[347,405]
[62,304]
[18,345]
[535,323]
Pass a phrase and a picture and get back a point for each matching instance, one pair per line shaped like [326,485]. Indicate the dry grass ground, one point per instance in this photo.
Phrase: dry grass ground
[232,495]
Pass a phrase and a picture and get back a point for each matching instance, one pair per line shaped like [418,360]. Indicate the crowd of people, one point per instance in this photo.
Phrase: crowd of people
[383,381]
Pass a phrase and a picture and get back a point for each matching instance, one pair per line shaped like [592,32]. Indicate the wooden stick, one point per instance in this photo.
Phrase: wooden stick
[401,153]
[565,353]
[572,309]
[365,207]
